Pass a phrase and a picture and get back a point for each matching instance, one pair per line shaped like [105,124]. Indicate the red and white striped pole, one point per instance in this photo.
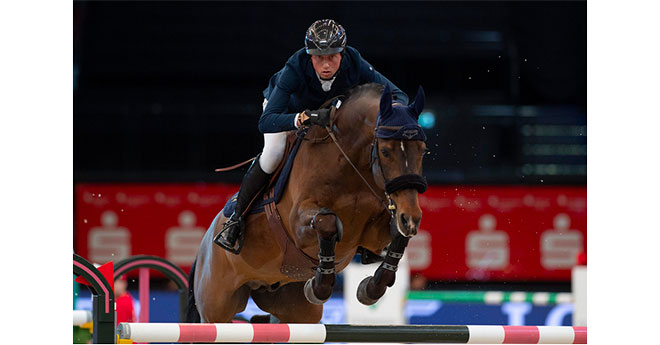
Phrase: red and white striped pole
[319,333]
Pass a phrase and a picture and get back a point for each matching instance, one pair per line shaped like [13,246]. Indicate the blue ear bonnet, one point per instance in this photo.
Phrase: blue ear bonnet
[399,122]
[408,132]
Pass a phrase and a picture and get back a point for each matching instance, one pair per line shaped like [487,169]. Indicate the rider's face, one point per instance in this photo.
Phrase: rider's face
[326,65]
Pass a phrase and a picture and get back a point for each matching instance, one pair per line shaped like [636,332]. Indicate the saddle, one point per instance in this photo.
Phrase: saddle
[275,188]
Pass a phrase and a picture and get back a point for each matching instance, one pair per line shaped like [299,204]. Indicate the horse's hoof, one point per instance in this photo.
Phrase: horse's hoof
[362,292]
[309,293]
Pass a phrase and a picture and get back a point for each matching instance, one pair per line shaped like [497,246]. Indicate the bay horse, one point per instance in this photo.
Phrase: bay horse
[359,189]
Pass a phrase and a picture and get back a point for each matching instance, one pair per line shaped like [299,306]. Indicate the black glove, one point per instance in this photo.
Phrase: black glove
[320,117]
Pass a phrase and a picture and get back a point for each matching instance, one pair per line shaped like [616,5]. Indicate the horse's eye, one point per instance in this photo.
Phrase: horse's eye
[385,152]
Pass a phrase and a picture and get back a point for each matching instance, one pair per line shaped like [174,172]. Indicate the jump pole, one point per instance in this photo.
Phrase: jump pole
[320,333]
[81,317]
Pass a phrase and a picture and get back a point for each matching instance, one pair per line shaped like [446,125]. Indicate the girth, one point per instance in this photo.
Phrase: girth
[296,264]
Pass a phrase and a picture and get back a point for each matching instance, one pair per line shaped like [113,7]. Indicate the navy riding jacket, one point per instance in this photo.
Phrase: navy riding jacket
[296,87]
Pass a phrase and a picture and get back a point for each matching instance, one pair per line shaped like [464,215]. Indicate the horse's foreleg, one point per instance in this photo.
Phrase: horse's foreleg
[329,231]
[372,288]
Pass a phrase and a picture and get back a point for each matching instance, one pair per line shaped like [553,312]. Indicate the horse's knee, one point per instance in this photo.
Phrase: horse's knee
[327,224]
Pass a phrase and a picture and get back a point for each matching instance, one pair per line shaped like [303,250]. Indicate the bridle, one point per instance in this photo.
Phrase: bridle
[407,181]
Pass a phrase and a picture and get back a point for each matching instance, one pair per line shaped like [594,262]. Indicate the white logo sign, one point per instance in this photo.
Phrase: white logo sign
[109,242]
[182,242]
[487,248]
[561,245]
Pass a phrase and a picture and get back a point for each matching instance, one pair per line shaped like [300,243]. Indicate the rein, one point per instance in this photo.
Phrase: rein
[390,208]
[390,186]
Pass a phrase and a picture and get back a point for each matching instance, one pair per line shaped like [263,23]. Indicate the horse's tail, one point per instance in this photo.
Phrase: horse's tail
[192,315]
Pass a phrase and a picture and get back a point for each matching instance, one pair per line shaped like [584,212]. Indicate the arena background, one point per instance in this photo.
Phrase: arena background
[164,92]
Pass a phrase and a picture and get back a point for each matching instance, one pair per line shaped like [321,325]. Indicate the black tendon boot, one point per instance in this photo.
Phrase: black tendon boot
[234,229]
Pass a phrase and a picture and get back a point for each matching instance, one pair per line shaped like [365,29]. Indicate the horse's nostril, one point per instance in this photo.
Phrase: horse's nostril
[404,222]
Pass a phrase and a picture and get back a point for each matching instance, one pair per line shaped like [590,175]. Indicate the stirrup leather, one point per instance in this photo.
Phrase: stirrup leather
[223,237]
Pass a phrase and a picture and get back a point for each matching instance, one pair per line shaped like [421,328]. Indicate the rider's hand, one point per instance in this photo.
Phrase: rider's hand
[320,117]
[302,117]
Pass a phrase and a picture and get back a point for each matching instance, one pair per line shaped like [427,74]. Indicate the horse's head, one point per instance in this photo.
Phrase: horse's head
[398,149]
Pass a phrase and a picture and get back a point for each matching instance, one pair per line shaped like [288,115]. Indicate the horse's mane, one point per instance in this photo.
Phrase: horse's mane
[362,90]
[371,90]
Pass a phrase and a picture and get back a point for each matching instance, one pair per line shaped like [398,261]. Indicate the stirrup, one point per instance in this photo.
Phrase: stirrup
[221,238]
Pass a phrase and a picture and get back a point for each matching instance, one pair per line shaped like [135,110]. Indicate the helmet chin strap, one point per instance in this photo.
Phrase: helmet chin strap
[326,84]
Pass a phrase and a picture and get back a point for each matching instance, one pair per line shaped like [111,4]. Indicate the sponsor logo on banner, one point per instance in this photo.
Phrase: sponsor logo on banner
[182,241]
[487,248]
[109,242]
[560,246]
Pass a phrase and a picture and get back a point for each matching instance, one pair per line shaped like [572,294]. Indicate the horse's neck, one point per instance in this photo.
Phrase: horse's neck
[354,136]
[355,129]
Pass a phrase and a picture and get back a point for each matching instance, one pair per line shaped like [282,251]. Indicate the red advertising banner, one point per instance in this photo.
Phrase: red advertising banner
[467,232]
[500,233]
[115,221]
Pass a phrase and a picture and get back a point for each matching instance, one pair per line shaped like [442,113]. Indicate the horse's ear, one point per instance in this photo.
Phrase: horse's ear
[418,105]
[386,102]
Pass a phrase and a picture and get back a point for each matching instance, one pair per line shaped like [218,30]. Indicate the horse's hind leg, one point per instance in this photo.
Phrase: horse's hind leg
[288,304]
[219,292]
[329,231]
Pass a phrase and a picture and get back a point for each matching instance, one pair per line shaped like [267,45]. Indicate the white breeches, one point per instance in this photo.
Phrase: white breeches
[274,145]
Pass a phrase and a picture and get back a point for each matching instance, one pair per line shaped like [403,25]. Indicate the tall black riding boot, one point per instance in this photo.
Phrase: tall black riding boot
[234,229]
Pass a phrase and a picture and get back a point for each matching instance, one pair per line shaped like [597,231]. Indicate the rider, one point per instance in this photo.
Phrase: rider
[325,68]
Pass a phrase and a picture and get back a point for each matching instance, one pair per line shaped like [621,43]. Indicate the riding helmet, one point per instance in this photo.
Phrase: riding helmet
[325,37]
